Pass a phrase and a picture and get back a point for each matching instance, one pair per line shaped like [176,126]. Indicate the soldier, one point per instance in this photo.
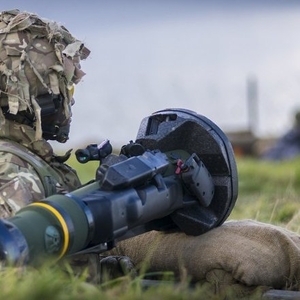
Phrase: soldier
[39,66]
[287,146]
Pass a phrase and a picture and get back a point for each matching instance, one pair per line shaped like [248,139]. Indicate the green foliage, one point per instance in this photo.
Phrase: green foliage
[51,282]
[269,192]
[44,283]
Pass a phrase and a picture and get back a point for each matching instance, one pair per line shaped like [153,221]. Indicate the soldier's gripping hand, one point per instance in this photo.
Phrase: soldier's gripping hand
[116,266]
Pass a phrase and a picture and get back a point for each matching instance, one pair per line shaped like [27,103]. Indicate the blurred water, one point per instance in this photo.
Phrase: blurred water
[149,55]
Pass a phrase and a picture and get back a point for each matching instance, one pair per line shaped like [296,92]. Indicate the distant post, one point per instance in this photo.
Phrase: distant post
[252,101]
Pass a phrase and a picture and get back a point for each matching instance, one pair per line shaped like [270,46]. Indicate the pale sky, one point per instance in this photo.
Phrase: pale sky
[150,55]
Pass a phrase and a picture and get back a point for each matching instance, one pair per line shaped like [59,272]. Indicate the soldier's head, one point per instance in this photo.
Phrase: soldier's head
[39,66]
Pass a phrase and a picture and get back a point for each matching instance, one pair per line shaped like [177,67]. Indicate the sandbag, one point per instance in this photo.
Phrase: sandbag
[247,253]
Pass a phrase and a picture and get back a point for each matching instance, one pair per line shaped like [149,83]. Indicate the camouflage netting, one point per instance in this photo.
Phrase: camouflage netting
[37,56]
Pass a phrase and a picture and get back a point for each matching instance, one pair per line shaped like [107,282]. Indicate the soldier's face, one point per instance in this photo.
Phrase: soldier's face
[56,124]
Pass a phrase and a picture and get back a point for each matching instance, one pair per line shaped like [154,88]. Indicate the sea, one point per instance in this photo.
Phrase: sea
[200,55]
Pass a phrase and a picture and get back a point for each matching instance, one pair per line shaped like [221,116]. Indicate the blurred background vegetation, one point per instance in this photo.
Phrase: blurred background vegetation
[269,192]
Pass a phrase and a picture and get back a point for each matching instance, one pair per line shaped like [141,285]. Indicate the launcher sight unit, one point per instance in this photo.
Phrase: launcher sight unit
[179,174]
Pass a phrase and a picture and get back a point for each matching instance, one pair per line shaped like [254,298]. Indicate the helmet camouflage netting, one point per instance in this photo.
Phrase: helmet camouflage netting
[37,56]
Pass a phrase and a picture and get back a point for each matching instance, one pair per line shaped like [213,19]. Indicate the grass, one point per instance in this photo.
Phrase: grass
[268,192]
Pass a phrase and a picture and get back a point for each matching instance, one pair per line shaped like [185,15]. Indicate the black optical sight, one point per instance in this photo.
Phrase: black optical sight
[94,152]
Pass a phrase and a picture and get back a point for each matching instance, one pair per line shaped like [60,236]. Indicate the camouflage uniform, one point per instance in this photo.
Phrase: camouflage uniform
[38,59]
[20,183]
[39,65]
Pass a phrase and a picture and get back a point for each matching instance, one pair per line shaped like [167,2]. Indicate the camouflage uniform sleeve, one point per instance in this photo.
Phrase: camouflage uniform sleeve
[19,184]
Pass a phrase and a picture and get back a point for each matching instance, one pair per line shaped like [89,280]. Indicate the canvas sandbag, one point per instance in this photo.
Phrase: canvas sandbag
[242,253]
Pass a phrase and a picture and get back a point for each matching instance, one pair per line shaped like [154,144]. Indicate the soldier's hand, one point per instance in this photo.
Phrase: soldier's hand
[116,266]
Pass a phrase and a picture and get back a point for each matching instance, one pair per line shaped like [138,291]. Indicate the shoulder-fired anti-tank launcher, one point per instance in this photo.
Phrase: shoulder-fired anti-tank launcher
[179,174]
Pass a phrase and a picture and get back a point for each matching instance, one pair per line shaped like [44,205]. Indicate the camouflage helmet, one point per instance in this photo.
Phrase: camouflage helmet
[39,65]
